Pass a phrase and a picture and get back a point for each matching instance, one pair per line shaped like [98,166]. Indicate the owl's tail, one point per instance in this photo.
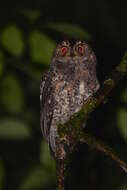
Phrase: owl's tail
[55,144]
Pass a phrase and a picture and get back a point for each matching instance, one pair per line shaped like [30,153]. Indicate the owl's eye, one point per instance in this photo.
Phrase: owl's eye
[64,50]
[80,50]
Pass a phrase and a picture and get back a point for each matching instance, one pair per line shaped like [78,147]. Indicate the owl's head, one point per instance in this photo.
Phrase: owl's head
[73,59]
[78,50]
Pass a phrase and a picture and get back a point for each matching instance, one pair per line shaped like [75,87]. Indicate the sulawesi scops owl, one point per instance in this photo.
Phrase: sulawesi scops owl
[65,87]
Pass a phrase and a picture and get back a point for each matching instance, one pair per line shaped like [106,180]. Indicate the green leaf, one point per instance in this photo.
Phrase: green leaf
[71,30]
[1,69]
[12,40]
[123,186]
[41,47]
[1,63]
[2,175]
[45,157]
[124,95]
[31,14]
[13,129]
[12,94]
[122,122]
[37,178]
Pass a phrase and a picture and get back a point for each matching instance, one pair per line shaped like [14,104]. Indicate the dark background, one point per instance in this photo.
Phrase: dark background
[29,31]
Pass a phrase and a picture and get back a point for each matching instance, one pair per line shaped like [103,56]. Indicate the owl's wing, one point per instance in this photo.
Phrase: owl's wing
[46,104]
[43,81]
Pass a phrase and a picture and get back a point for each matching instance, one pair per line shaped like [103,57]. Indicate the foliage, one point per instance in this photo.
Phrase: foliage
[12,128]
[41,47]
[12,40]
[12,95]
[71,30]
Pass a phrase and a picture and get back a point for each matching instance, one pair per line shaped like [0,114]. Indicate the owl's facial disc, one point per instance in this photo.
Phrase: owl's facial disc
[69,50]
[75,52]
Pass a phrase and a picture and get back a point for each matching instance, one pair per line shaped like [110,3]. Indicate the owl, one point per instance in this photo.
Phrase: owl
[65,87]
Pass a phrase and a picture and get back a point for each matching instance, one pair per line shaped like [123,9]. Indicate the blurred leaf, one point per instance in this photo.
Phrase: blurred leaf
[1,63]
[124,95]
[122,122]
[46,158]
[2,175]
[30,70]
[41,47]
[13,129]
[12,95]
[123,186]
[37,178]
[71,30]
[1,69]
[31,14]
[12,40]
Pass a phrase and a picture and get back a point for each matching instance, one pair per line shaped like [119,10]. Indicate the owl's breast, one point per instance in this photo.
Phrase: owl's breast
[68,99]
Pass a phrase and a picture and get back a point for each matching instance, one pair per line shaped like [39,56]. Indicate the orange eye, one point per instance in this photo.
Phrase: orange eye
[80,50]
[64,50]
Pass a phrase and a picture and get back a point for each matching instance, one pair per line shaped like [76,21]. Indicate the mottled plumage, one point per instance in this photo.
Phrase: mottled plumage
[65,87]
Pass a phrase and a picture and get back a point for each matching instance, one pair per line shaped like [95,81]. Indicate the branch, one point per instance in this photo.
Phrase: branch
[94,143]
[60,166]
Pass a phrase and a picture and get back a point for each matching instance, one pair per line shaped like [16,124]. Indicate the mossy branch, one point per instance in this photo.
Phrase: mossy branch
[60,166]
[73,128]
[97,144]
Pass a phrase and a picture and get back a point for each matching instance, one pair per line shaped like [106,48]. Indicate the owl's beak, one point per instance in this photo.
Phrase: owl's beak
[72,53]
